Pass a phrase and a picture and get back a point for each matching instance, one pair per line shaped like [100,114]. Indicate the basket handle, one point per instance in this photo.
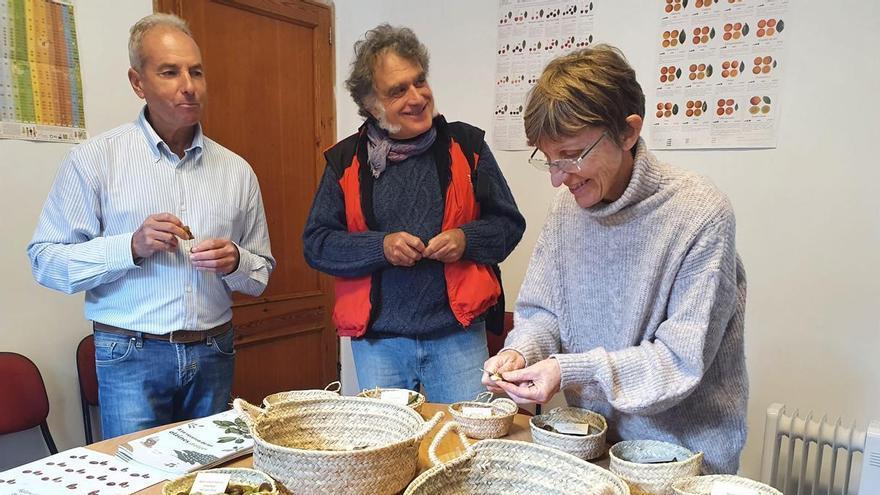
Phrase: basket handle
[334,387]
[431,423]
[435,443]
[247,411]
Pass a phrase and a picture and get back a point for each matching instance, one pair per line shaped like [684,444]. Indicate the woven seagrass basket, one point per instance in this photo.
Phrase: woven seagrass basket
[512,468]
[416,402]
[345,445]
[331,390]
[586,447]
[494,426]
[239,476]
[631,461]
[702,485]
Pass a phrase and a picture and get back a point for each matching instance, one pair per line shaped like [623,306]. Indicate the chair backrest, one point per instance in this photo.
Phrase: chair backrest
[22,393]
[804,455]
[85,370]
[496,342]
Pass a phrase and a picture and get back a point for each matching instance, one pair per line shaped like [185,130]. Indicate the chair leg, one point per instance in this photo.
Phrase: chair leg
[87,421]
[48,437]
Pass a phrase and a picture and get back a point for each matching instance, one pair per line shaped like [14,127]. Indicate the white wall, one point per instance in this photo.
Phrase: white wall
[42,324]
[808,217]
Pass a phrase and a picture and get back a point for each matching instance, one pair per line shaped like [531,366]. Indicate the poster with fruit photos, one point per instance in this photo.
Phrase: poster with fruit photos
[78,471]
[530,34]
[720,67]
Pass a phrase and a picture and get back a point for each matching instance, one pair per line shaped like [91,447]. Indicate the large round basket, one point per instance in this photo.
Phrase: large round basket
[330,391]
[238,476]
[495,425]
[511,467]
[586,447]
[702,485]
[416,402]
[636,461]
[345,445]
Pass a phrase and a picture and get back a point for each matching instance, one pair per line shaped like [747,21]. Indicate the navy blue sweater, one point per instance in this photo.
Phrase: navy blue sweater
[407,197]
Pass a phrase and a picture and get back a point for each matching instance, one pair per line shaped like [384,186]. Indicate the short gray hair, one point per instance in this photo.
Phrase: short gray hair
[149,22]
[378,41]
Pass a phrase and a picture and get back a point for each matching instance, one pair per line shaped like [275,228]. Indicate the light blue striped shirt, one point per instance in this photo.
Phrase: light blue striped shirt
[107,187]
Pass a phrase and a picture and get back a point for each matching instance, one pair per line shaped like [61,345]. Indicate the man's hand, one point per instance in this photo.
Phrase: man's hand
[402,249]
[537,383]
[215,255]
[447,246]
[159,232]
[508,360]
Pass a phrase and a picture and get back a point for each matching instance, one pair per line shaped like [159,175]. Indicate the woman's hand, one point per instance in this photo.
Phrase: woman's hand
[537,383]
[508,360]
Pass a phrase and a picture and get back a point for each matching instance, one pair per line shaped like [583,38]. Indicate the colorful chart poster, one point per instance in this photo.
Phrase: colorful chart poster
[41,97]
[720,66]
[530,34]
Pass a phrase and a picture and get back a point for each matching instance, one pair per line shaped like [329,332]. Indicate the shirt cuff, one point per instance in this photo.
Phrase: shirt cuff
[119,255]
[243,272]
[577,369]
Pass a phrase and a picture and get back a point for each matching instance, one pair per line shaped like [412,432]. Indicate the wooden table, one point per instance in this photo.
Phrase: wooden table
[449,448]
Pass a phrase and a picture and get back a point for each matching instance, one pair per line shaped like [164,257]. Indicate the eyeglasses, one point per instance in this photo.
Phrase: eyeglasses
[568,165]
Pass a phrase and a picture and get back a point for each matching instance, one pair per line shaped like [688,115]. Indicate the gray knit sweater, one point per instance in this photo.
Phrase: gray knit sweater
[641,302]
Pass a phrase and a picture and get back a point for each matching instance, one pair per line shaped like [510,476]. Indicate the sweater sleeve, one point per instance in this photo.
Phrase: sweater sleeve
[492,238]
[665,368]
[328,246]
[535,333]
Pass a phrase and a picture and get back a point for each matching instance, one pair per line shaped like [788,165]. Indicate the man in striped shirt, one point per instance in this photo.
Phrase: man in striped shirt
[159,225]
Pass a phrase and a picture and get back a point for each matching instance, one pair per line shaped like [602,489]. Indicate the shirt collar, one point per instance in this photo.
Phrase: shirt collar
[156,143]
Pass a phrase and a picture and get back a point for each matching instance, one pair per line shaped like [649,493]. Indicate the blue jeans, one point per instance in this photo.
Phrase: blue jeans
[447,366]
[144,383]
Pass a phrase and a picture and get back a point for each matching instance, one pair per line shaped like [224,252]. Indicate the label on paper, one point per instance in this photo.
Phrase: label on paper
[476,412]
[727,488]
[574,428]
[210,483]
[399,397]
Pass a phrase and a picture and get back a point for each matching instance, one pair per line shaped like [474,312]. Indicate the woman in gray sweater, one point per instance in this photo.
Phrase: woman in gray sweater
[634,298]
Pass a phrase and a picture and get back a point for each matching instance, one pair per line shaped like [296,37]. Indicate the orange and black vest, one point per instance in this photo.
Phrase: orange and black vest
[472,288]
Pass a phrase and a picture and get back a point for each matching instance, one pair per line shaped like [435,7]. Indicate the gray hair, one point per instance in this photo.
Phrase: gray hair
[378,41]
[149,22]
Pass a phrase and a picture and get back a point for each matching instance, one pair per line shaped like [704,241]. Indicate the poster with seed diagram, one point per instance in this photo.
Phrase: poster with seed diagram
[78,471]
[530,34]
[41,91]
[720,67]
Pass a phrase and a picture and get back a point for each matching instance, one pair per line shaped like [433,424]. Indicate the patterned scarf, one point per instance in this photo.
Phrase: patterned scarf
[382,148]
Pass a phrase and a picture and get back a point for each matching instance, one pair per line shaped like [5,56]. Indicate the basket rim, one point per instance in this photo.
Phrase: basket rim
[553,434]
[458,414]
[613,457]
[193,474]
[678,484]
[474,449]
[258,439]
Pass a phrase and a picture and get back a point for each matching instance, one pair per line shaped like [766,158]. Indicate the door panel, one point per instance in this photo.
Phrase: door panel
[269,68]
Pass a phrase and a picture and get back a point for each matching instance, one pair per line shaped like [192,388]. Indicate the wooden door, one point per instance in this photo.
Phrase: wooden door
[269,69]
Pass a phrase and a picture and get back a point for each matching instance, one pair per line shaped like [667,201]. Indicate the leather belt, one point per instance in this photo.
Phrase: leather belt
[175,337]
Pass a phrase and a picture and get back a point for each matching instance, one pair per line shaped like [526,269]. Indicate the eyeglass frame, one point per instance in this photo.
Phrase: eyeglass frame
[571,164]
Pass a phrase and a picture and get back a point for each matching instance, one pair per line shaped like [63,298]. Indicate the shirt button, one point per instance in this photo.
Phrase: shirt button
[189,288]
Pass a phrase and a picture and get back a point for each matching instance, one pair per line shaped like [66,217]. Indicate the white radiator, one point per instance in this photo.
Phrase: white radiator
[817,456]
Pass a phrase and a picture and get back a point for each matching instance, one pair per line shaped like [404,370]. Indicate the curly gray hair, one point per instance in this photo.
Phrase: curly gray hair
[377,42]
[141,27]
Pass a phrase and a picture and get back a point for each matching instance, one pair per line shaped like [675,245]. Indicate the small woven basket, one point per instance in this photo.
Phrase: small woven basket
[376,393]
[494,426]
[239,476]
[331,391]
[586,447]
[702,485]
[513,468]
[630,460]
[345,445]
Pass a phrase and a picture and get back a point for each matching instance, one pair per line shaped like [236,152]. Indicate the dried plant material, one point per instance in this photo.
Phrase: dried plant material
[493,375]
[188,233]
[239,489]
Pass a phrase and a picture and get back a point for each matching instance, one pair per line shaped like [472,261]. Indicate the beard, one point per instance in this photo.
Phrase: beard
[390,128]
